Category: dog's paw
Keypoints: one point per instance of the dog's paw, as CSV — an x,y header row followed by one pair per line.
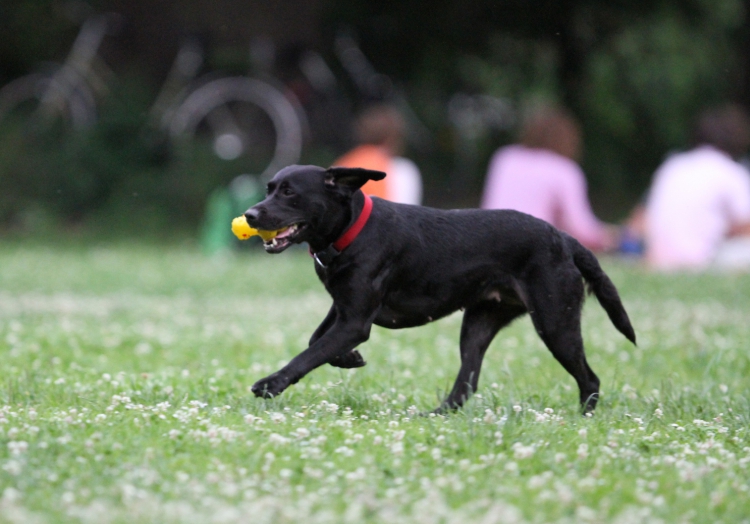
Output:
x,y
271,386
353,359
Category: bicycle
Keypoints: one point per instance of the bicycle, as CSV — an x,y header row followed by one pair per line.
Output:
x,y
242,119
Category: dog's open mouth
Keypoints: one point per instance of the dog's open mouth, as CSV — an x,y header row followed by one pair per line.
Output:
x,y
283,240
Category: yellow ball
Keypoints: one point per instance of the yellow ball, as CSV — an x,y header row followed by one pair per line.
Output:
x,y
243,231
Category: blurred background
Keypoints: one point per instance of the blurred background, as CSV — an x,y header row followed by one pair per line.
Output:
x,y
123,117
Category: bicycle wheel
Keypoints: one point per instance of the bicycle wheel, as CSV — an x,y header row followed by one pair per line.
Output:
x,y
45,101
242,119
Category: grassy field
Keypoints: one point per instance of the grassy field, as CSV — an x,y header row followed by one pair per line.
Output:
x,y
124,397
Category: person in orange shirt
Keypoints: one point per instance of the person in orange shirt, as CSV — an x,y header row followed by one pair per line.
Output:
x,y
380,131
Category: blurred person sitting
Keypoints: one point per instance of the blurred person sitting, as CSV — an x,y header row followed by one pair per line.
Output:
x,y
698,207
540,176
380,132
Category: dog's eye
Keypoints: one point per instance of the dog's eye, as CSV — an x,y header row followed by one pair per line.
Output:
x,y
287,191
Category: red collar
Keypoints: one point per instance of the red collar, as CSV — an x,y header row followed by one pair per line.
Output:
x,y
354,230
327,255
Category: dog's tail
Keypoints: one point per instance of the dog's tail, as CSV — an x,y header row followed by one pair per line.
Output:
x,y
605,291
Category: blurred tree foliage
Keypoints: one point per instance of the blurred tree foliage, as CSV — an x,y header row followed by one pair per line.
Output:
x,y
634,72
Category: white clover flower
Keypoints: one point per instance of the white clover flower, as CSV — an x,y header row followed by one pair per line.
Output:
x,y
277,417
399,435
252,419
319,440
312,472
658,413
539,481
13,467
358,474
11,494
436,453
583,451
301,433
522,452
583,432
517,408
345,451
17,447
397,448
275,438
174,433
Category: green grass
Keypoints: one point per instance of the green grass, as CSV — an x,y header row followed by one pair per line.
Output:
x,y
124,397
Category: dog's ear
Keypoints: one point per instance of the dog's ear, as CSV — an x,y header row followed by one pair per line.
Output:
x,y
351,177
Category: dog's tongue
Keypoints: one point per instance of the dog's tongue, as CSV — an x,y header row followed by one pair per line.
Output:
x,y
283,233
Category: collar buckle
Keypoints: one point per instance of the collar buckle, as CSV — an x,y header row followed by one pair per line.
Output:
x,y
326,256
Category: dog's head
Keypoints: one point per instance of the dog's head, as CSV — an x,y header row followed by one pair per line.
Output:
x,y
308,204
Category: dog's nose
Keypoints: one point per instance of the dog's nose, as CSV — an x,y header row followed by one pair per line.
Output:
x,y
251,215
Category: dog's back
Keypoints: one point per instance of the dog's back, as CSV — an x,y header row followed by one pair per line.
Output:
x,y
466,254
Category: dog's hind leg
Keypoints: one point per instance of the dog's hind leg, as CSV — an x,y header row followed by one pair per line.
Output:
x,y
557,318
350,360
481,323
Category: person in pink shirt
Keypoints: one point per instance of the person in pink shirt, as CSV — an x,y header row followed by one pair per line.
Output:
x,y
540,176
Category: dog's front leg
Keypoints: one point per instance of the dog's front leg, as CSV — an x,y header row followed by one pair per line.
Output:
x,y
346,333
352,359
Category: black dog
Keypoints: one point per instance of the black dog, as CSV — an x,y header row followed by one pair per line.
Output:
x,y
400,266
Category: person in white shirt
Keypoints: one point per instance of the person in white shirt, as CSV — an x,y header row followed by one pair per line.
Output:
x,y
698,209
